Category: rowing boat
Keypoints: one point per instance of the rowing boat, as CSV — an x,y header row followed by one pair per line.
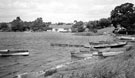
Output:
x,y
129,38
103,45
17,52
107,54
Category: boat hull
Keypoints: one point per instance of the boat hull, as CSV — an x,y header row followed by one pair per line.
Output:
x,y
107,54
112,45
126,38
15,54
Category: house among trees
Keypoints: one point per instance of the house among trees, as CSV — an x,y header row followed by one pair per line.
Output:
x,y
60,28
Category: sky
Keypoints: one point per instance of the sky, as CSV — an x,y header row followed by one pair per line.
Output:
x,y
58,10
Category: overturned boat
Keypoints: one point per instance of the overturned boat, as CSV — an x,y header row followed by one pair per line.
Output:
x,y
14,52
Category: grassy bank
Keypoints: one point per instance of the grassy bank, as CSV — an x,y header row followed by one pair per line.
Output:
x,y
120,66
99,32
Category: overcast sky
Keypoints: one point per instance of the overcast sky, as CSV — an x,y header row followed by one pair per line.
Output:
x,y
57,10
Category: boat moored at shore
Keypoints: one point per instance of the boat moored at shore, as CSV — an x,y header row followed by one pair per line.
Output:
x,y
14,52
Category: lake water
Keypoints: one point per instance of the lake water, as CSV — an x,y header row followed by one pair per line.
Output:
x,y
42,55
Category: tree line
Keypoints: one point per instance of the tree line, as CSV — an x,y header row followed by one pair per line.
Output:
x,y
19,25
81,26
121,16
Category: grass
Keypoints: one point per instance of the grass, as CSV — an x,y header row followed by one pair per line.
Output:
x,y
120,66
86,34
105,30
99,32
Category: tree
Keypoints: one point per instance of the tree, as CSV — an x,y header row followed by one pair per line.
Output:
x,y
60,23
124,15
78,27
92,25
4,27
104,22
27,25
38,25
17,24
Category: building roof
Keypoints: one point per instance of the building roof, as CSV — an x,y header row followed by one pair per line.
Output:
x,y
60,26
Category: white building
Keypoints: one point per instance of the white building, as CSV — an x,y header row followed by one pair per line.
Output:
x,y
60,28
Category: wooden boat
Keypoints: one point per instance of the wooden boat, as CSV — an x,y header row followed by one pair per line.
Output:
x,y
80,55
126,38
103,45
108,49
107,54
14,52
90,50
117,44
96,53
